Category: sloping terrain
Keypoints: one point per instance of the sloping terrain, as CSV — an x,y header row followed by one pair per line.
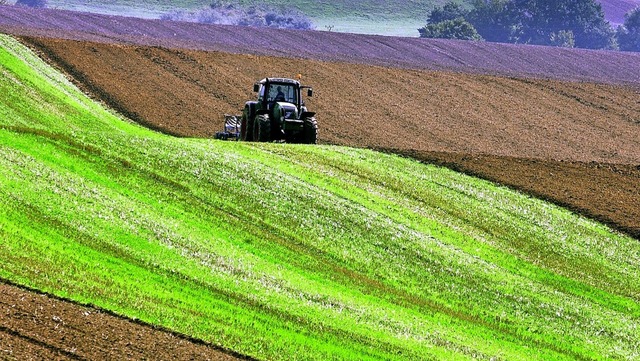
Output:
x,y
186,92
603,184
564,125
429,54
293,252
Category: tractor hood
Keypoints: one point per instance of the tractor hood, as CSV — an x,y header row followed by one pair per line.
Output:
x,y
284,110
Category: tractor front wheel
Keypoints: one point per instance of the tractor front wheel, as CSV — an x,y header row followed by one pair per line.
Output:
x,y
262,128
310,131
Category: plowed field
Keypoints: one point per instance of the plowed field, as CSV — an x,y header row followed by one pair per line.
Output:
x,y
39,327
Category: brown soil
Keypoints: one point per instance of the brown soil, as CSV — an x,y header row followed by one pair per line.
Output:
x,y
35,326
186,92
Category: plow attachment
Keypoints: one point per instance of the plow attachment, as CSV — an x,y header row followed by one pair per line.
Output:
x,y
231,128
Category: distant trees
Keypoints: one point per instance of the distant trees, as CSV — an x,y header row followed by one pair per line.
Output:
x,y
221,12
32,3
457,28
567,23
450,11
492,19
448,22
629,33
540,21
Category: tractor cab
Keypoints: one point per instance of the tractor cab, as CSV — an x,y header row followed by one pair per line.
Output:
x,y
273,90
272,93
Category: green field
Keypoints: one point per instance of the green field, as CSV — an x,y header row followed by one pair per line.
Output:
x,y
401,18
293,252
316,9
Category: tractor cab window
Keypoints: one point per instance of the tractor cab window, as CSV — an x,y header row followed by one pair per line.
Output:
x,y
282,93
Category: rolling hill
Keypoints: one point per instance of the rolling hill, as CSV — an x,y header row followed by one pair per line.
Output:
x,y
374,17
296,252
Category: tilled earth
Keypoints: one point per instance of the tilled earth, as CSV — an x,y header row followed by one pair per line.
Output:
x,y
573,143
35,326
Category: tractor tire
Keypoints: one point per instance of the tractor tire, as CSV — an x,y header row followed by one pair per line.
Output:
x,y
262,128
246,129
310,131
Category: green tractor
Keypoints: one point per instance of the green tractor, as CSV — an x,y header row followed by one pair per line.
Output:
x,y
279,113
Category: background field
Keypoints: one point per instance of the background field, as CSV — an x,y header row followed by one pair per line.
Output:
x,y
401,18
396,52
365,9
297,252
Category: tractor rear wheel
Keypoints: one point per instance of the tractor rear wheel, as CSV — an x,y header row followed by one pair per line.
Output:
x,y
310,131
262,128
246,129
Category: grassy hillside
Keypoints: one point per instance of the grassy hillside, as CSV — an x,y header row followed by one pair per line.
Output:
x,y
297,252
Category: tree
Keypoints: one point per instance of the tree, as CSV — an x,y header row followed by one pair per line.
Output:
x,y
457,28
629,33
32,3
448,22
493,21
450,11
563,39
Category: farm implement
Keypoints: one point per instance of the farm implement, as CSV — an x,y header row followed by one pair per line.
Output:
x,y
231,127
278,114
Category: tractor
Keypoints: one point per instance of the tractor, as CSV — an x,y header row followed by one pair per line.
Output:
x,y
279,114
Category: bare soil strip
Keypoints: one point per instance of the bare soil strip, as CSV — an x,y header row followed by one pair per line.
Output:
x,y
36,326
186,93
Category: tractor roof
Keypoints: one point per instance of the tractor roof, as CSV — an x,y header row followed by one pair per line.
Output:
x,y
280,81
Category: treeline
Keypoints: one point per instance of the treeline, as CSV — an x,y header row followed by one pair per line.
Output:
x,y
566,23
